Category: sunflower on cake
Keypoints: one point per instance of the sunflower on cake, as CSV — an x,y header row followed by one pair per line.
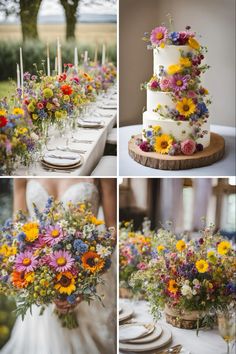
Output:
x,y
176,120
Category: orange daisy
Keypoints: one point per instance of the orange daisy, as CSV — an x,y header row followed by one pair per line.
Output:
x,y
21,279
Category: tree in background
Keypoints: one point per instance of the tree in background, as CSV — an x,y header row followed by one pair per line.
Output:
x,y
70,8
28,12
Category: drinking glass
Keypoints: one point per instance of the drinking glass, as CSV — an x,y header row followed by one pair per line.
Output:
x,y
227,327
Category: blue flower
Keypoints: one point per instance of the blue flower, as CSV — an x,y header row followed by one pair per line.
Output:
x,y
107,264
21,236
8,223
202,109
174,36
80,246
71,299
149,133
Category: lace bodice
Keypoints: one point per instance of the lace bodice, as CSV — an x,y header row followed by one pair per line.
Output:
x,y
78,192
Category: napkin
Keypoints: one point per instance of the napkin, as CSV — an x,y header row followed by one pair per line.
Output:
x,y
131,332
66,155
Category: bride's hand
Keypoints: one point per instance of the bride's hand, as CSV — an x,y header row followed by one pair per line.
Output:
x,y
64,306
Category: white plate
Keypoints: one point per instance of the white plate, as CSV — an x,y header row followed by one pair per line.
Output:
x,y
133,331
62,158
126,313
150,337
160,342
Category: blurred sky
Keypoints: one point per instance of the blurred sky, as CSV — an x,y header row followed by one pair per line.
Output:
x,y
89,10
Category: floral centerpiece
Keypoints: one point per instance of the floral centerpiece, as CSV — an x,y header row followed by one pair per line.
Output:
x,y
17,139
52,99
59,256
135,250
189,280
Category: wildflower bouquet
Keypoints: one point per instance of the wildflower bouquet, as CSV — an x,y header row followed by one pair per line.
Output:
x,y
17,139
52,99
59,256
189,276
135,251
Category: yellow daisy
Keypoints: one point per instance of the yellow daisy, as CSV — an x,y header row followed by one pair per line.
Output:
x,y
160,248
185,62
193,43
31,231
2,112
223,247
18,111
174,69
202,266
186,107
180,245
65,283
163,143
156,128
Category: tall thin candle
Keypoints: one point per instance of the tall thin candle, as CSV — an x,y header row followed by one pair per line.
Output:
x,y
59,56
48,61
86,57
21,70
18,75
103,54
76,58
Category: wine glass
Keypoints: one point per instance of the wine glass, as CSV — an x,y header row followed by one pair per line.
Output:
x,y
227,326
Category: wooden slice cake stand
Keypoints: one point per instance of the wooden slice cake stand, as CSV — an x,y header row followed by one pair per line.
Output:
x,y
208,156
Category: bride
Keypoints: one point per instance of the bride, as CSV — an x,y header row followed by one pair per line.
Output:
x,y
97,324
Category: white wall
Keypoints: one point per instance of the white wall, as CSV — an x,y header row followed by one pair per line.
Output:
x,y
214,20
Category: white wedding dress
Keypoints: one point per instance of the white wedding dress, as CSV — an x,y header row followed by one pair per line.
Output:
x,y
44,334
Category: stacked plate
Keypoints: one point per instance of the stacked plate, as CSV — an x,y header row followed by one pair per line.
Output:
x,y
141,337
62,160
90,123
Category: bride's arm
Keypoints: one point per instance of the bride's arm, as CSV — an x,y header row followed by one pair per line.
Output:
x,y
19,198
108,198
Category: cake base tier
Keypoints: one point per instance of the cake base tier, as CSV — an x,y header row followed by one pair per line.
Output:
x,y
211,154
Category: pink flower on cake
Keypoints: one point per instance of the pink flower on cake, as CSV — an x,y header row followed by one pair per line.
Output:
x,y
179,82
158,35
184,37
191,94
165,84
188,147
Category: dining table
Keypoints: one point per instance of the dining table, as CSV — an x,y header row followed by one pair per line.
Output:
x,y
88,140
208,341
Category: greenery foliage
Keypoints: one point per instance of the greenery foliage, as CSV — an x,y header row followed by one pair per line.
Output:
x,y
34,52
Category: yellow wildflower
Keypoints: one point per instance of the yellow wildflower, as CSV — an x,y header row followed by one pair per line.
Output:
x,y
185,62
180,245
223,247
160,248
174,69
186,107
202,266
31,231
163,143
193,43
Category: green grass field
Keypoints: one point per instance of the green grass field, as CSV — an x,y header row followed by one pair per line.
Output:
x,y
6,88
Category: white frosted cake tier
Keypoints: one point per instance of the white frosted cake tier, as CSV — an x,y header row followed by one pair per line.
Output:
x,y
181,130
157,97
169,55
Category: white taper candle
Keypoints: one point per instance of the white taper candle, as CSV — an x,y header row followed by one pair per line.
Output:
x,y
18,75
21,71
48,61
76,58
86,56
104,54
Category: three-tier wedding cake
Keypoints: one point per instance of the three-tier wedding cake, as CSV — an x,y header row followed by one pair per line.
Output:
x,y
176,118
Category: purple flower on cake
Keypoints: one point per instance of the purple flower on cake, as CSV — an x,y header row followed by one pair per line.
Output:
x,y
188,147
202,109
199,147
179,82
154,84
26,262
165,84
145,146
61,261
184,37
158,35
53,235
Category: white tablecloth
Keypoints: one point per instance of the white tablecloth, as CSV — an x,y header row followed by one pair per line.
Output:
x,y
224,167
94,150
207,342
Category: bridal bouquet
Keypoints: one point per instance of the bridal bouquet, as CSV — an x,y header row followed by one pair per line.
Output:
x,y
57,257
17,140
198,275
